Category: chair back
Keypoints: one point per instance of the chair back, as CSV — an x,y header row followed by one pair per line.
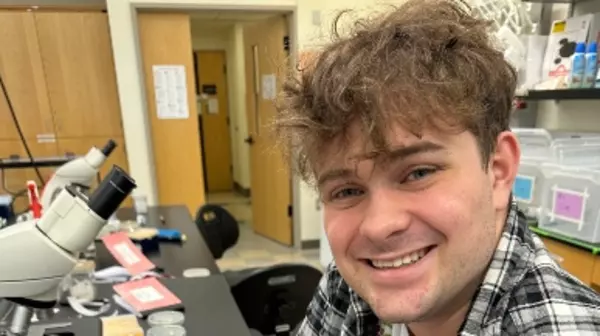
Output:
x,y
274,299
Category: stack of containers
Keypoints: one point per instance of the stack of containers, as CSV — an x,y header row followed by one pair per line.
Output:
x,y
571,190
541,148
535,150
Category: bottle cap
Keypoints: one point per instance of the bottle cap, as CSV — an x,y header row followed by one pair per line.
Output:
x,y
593,47
580,48
162,318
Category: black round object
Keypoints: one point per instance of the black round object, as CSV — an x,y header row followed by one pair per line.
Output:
x,y
111,192
218,227
109,147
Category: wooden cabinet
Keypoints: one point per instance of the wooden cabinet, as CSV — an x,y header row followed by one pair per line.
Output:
x,y
576,261
76,52
22,72
59,74
15,180
596,275
60,77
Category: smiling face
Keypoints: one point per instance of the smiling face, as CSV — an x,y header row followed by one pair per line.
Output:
x,y
412,232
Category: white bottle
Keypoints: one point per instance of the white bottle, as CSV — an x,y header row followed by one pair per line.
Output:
x,y
591,66
577,67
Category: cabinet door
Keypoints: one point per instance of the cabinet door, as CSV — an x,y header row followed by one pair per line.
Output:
x,y
15,180
576,261
23,75
80,74
82,146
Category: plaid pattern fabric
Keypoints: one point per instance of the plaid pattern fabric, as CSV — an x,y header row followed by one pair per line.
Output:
x,y
524,292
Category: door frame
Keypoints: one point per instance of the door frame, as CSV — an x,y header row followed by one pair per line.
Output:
x,y
290,11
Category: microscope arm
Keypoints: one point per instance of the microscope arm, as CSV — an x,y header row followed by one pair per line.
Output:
x,y
81,172
36,255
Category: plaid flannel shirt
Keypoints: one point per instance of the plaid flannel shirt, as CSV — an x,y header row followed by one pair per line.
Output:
x,y
524,292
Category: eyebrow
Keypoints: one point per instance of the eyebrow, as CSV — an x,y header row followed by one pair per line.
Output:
x,y
393,155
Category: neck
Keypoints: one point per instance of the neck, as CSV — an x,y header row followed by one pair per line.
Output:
x,y
446,323
449,320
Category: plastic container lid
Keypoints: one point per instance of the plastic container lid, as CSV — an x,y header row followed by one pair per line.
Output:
x,y
166,330
580,48
593,47
163,318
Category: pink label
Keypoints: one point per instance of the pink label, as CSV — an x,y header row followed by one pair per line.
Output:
x,y
146,294
126,254
569,205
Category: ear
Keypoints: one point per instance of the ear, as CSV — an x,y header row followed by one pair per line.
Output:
x,y
504,165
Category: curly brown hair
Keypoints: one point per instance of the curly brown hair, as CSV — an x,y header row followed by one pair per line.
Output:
x,y
426,63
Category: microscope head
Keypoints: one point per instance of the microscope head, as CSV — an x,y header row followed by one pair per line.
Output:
x,y
55,241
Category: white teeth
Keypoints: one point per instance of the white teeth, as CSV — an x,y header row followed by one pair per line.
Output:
x,y
402,261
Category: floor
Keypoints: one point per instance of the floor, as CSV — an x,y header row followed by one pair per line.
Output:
x,y
253,250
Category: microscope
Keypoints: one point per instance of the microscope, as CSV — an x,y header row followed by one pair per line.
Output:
x,y
80,172
36,255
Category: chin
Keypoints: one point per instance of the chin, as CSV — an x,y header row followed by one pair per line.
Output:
x,y
400,306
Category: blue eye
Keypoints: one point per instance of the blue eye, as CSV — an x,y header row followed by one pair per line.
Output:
x,y
419,174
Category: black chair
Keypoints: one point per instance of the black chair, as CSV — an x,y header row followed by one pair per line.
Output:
x,y
274,299
218,227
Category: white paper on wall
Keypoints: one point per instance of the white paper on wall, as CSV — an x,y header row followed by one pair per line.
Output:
x,y
269,86
170,89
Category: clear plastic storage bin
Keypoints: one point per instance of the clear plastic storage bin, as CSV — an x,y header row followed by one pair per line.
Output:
x,y
535,143
577,155
528,187
571,202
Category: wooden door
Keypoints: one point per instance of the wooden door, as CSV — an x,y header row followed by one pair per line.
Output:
x,y
81,146
80,73
165,39
15,180
214,112
266,59
22,72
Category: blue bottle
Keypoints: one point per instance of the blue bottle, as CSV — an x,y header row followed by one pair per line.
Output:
x,y
591,65
577,67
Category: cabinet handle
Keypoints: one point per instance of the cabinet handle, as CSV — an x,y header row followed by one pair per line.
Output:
x,y
14,156
556,257
70,154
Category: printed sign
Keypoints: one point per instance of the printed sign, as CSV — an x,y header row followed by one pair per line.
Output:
x,y
146,294
126,254
523,188
569,205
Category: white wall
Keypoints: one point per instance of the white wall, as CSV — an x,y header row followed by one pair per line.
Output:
x,y
236,77
231,40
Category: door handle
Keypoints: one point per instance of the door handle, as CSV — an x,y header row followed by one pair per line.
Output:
x,y
249,140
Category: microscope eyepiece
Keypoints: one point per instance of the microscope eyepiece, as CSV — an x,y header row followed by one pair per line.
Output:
x,y
109,147
111,192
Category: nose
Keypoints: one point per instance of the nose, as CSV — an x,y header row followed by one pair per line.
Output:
x,y
386,215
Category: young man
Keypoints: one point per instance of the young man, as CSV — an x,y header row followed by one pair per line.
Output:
x,y
404,128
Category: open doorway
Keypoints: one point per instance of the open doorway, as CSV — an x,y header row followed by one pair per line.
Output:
x,y
240,59
220,91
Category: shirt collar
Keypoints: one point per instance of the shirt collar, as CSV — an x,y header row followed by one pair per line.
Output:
x,y
509,264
